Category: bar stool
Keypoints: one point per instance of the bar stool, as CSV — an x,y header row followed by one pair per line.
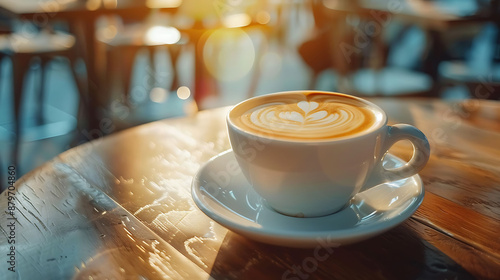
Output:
x,y
23,49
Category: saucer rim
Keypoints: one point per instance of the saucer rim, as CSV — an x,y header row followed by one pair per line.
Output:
x,y
341,235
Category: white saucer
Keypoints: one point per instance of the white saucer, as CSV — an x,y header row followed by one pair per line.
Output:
x,y
222,192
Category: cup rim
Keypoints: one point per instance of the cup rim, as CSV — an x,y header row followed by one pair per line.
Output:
x,y
374,129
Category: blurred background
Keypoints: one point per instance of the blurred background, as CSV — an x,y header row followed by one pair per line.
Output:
x,y
76,70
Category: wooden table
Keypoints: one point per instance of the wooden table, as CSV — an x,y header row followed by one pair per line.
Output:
x,y
440,20
121,206
81,16
436,15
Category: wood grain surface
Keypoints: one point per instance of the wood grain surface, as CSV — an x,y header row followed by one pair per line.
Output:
x,y
120,207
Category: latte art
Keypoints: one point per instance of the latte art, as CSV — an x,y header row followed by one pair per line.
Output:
x,y
313,116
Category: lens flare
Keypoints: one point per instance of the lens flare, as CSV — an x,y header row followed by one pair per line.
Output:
x,y
229,54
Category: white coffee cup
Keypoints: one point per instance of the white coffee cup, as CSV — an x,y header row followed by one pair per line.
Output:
x,y
307,153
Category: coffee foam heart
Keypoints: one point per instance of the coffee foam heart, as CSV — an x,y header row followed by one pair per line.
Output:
x,y
306,116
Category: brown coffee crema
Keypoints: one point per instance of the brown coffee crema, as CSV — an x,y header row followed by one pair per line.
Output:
x,y
306,116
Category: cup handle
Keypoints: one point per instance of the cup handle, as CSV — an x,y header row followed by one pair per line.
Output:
x,y
421,152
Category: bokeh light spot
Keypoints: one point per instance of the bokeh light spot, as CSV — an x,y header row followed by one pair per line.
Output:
x,y
158,35
93,5
158,95
152,4
331,4
107,33
236,20
263,17
183,92
229,54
